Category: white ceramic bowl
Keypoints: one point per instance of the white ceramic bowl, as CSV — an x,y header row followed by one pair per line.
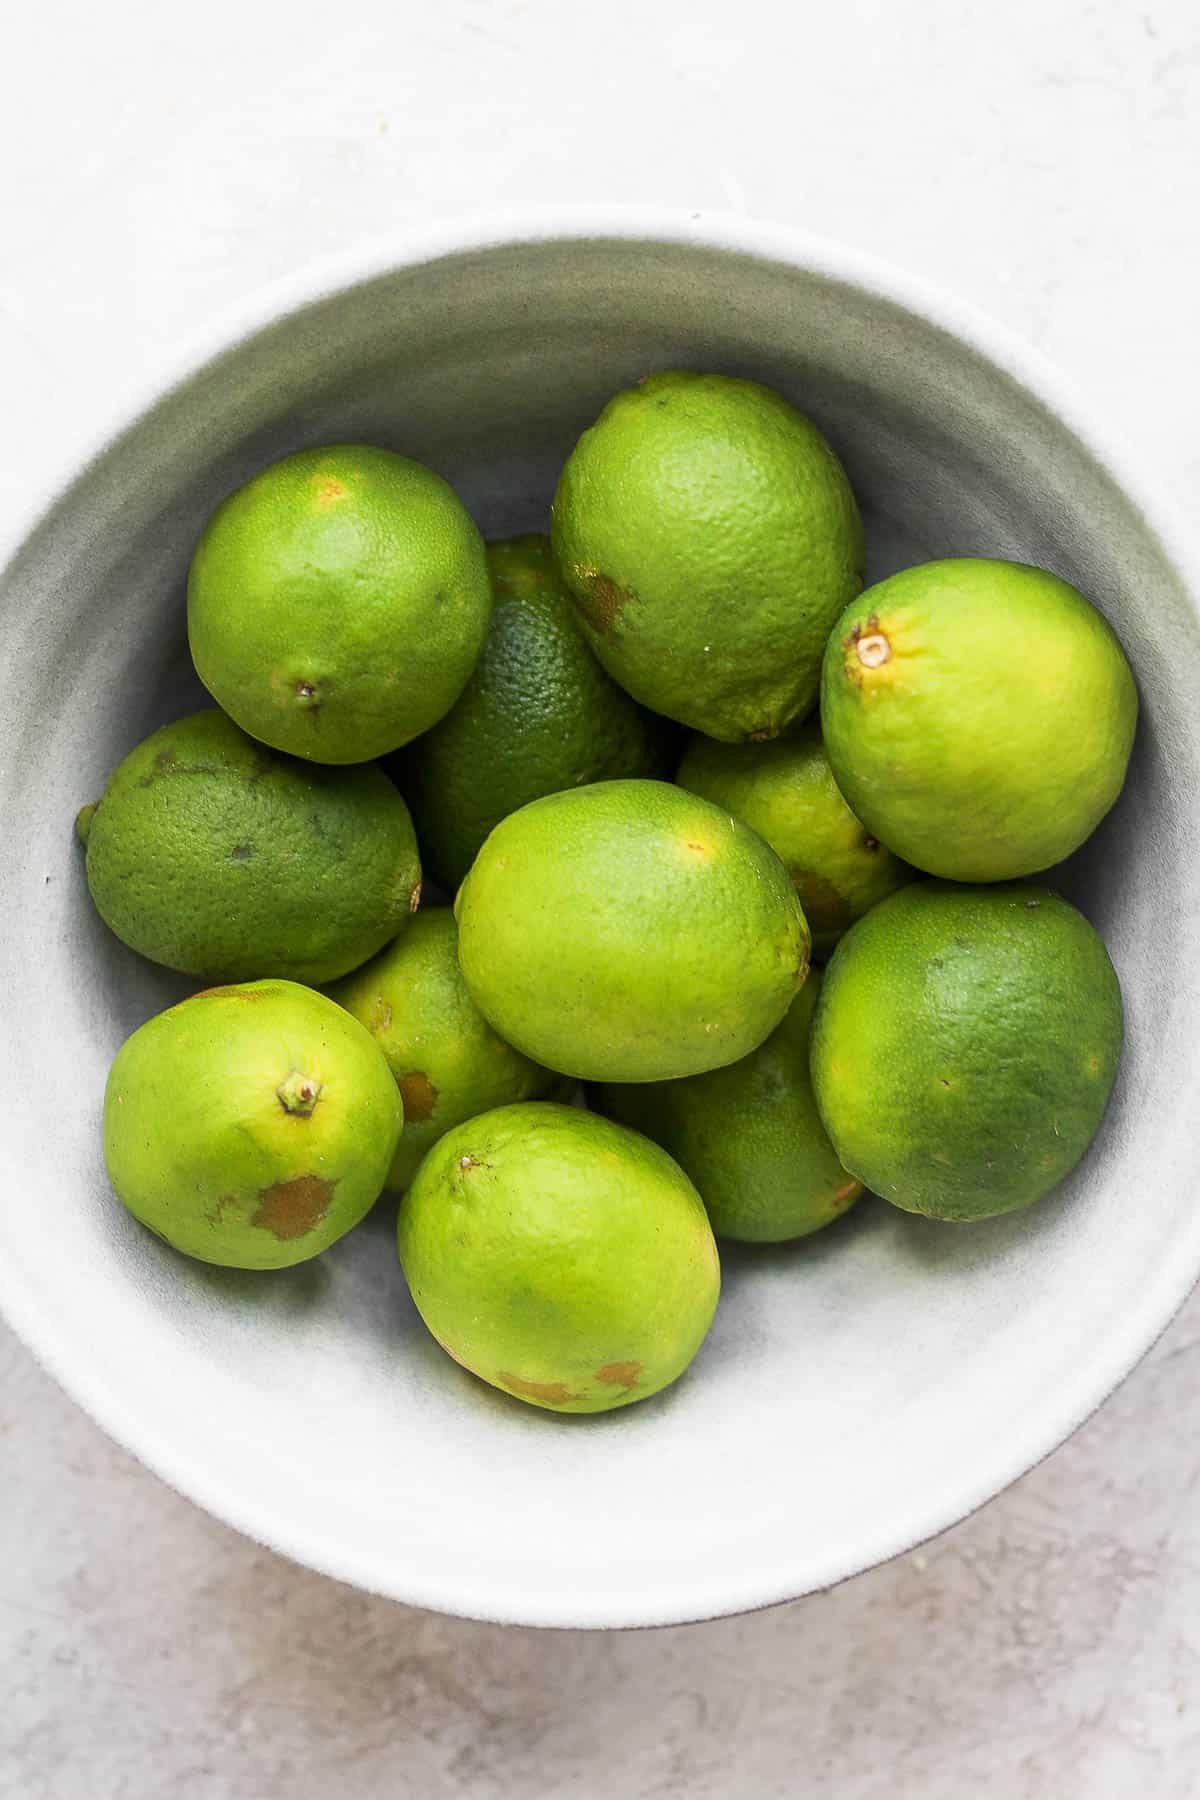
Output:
x,y
858,1392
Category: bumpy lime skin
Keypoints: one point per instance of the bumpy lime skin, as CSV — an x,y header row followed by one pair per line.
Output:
x,y
250,1126
338,601
965,1045
749,1136
786,792
560,1257
447,1061
711,538
213,855
539,714
978,715
628,931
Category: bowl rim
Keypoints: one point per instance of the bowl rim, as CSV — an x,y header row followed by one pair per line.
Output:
x,y
1155,1306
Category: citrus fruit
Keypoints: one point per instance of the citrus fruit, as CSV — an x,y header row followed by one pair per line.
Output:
x,y
710,538
559,1257
628,931
250,1126
337,602
786,792
537,715
214,855
965,1044
448,1062
978,716
749,1136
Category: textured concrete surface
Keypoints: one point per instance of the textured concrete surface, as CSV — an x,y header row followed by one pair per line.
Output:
x,y
1043,159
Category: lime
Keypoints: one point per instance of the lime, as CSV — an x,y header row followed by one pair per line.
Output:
x,y
250,1126
710,538
628,931
538,714
965,1044
448,1062
213,855
559,1257
978,717
786,792
337,602
749,1136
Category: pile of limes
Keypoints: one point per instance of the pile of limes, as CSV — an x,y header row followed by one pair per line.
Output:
x,y
648,937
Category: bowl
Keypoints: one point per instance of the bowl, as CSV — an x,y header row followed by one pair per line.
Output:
x,y
859,1391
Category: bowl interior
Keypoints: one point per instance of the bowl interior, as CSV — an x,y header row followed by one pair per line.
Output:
x,y
858,1391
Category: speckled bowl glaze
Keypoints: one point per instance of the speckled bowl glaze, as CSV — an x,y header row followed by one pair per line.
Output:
x,y
859,1391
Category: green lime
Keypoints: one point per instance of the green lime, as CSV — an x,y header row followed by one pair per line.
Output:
x,y
978,717
628,931
337,602
250,1126
965,1044
539,714
214,855
559,1257
749,1136
448,1062
710,538
786,792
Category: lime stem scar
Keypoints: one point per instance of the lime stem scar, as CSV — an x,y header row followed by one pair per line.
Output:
x,y
299,1093
873,650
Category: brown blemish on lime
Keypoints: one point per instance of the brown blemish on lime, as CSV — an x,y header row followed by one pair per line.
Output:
x,y
290,1209
846,1193
620,1374
381,1017
419,1096
553,1393
327,489
167,763
231,991
602,602
307,696
414,899
216,1212
1093,1064
241,853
